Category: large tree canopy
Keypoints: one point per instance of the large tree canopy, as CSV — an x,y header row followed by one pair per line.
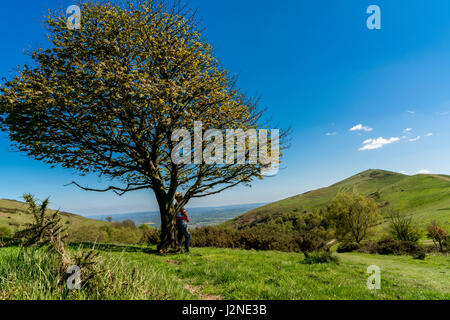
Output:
x,y
106,99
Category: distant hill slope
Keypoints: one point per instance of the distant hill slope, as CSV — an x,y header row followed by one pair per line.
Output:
x,y
426,197
13,214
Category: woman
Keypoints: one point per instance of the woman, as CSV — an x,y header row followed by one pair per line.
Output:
x,y
182,224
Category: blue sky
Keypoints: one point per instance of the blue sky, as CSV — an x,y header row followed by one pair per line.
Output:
x,y
319,70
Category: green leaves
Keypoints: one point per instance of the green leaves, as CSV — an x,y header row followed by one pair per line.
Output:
x,y
353,216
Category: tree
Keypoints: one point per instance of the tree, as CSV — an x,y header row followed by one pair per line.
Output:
x,y
438,234
107,98
353,216
402,227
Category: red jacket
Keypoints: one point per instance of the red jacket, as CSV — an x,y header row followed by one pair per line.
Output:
x,y
185,217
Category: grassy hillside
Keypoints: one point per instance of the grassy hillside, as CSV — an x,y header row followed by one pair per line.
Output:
x,y
13,214
425,197
132,273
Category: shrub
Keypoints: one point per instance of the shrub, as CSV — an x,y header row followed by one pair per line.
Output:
x,y
402,228
290,233
420,254
320,257
124,224
446,243
149,235
122,234
392,246
225,237
219,237
46,230
87,233
312,232
310,242
117,232
347,247
259,237
438,235
5,232
264,238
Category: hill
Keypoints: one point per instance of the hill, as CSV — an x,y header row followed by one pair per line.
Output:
x,y
13,214
426,197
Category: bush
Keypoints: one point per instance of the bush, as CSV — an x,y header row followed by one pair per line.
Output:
x,y
264,238
260,237
257,238
320,257
420,254
310,242
124,224
289,233
438,235
219,237
117,232
150,235
347,247
122,234
392,246
5,232
446,242
402,228
87,233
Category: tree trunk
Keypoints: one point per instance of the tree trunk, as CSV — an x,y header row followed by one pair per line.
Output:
x,y
167,212
168,232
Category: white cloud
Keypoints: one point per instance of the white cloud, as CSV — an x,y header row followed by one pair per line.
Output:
x,y
429,134
423,171
411,112
415,139
407,130
360,127
331,133
371,144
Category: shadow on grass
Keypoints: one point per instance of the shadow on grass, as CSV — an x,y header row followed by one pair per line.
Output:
x,y
114,247
111,247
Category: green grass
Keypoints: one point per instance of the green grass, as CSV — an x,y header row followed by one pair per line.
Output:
x,y
424,197
31,275
132,272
